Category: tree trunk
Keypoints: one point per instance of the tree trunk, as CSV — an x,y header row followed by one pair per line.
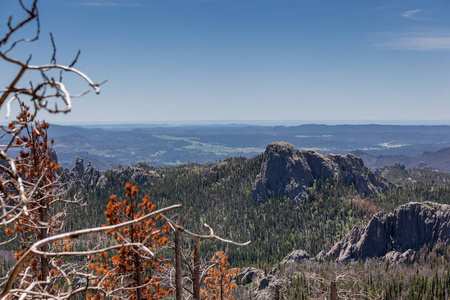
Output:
x,y
137,260
333,291
196,275
178,287
45,266
221,285
137,267
276,295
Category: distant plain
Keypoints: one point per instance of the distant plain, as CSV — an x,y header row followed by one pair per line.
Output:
x,y
106,147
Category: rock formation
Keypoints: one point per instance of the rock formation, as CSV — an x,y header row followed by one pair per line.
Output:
x,y
250,275
263,286
396,257
411,226
53,155
78,170
288,171
141,173
90,176
296,256
93,177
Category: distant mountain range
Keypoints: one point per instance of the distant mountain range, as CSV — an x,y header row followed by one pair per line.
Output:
x,y
109,147
432,159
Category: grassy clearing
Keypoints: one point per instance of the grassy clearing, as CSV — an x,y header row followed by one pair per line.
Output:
x,y
206,147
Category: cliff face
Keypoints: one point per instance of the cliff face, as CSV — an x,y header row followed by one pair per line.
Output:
x,y
288,171
411,226
141,172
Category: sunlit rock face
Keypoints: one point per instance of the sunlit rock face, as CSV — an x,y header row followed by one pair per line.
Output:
x,y
287,171
409,227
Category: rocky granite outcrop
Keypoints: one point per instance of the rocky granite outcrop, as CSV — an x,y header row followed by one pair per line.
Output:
x,y
53,155
288,171
90,176
250,275
141,173
411,226
93,177
296,256
394,257
78,170
263,286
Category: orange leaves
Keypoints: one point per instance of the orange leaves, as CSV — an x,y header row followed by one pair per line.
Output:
x,y
34,263
162,241
53,273
9,231
130,262
37,169
219,280
129,211
67,245
90,297
131,190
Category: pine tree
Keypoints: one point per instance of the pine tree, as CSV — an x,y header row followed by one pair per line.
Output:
x,y
220,280
134,268
38,172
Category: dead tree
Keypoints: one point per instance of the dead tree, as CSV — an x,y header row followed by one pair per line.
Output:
x,y
49,93
343,286
191,259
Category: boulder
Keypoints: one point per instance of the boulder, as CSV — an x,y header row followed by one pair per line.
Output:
x,y
267,286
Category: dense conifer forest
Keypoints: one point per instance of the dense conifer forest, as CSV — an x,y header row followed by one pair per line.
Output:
x,y
220,195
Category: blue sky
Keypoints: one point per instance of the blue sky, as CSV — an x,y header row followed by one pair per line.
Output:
x,y
213,60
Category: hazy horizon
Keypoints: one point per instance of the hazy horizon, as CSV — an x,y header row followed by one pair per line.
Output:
x,y
262,123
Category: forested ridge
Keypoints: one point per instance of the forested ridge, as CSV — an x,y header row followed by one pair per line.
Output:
x,y
220,195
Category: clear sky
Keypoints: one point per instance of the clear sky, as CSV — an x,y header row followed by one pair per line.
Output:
x,y
179,60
